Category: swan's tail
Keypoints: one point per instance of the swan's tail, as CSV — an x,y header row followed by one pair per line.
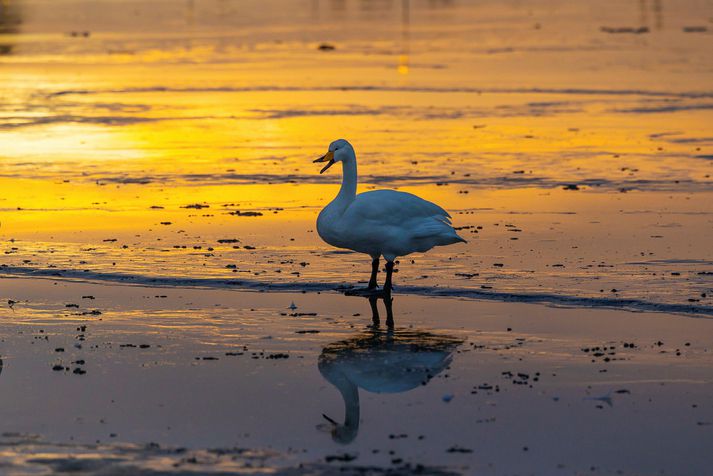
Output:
x,y
437,231
450,232
456,238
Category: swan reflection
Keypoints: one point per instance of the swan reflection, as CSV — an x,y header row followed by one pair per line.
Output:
x,y
390,360
10,21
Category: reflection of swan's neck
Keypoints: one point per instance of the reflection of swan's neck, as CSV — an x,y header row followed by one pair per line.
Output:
x,y
350,395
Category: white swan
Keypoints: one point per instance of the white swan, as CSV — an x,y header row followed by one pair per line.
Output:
x,y
381,222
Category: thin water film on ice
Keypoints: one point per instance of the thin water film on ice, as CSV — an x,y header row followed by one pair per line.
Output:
x,y
139,140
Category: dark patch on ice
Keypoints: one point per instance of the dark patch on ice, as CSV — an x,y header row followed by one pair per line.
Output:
x,y
544,49
415,89
625,30
503,182
428,113
674,138
697,262
695,29
19,122
663,108
116,107
127,180
344,111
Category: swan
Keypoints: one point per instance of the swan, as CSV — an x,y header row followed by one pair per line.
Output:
x,y
380,222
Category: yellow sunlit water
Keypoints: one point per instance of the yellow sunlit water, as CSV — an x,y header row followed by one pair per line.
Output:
x,y
114,122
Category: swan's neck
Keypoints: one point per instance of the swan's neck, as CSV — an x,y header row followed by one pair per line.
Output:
x,y
349,182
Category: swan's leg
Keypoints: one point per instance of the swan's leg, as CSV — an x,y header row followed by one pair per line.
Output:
x,y
389,271
374,270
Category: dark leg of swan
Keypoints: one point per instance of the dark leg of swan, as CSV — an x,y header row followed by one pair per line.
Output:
x,y
387,284
374,270
373,301
371,289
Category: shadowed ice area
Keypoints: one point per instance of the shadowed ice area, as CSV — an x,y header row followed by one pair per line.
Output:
x,y
174,127
140,380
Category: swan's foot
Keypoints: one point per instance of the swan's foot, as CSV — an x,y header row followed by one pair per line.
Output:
x,y
372,289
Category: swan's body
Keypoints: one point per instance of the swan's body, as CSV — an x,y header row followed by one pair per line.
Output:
x,y
382,222
385,222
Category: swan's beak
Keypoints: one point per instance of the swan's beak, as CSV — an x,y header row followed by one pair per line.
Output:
x,y
327,427
329,158
330,420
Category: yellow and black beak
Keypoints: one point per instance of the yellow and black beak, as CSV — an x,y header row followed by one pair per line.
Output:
x,y
329,158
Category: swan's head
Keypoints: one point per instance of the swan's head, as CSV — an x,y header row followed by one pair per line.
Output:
x,y
343,434
339,151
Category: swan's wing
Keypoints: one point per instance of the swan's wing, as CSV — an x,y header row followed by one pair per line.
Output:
x,y
393,207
